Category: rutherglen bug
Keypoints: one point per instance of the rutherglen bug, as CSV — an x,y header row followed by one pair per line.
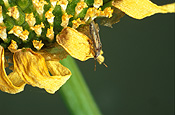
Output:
x,y
94,31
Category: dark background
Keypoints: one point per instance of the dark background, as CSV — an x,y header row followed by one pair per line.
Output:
x,y
139,79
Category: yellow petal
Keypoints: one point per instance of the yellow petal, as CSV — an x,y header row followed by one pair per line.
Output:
x,y
59,71
142,8
11,83
75,43
32,68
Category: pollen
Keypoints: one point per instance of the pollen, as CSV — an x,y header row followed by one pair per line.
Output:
x,y
38,29
50,33
65,19
37,44
16,30
49,15
3,34
39,5
63,4
1,16
24,35
80,6
13,46
77,23
98,3
13,12
30,19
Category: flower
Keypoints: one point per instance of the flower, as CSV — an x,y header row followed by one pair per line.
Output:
x,y
44,37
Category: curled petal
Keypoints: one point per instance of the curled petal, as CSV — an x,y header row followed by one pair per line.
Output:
x,y
59,71
11,83
75,43
142,8
33,69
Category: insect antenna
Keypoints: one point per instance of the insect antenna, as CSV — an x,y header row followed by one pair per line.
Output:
x,y
95,66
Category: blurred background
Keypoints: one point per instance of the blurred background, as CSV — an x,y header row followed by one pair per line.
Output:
x,y
139,79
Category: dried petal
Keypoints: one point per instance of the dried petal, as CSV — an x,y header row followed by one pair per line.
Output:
x,y
32,68
142,8
75,43
61,73
11,83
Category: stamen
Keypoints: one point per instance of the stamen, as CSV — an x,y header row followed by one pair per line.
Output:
x,y
92,13
107,12
39,5
38,29
13,12
13,46
63,4
1,16
30,19
24,35
77,23
37,44
50,33
16,30
80,6
6,3
3,34
49,15
98,3
65,20
53,3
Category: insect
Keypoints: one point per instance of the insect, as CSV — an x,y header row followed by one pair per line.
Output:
x,y
94,31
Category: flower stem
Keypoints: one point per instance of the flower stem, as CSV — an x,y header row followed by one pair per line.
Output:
x,y
76,93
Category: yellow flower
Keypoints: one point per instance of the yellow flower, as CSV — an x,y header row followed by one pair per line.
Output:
x,y
33,68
